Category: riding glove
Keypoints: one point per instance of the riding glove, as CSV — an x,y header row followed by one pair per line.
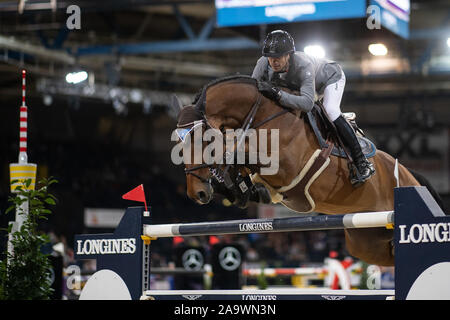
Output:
x,y
269,91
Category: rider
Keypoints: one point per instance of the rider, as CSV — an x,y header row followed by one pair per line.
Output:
x,y
281,66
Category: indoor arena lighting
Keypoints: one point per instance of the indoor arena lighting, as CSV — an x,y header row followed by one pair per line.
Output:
x,y
76,77
378,49
315,51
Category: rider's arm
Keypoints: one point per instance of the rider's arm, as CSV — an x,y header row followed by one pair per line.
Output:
x,y
260,67
305,101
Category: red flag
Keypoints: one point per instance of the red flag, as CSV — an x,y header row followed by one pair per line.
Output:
x,y
177,240
137,194
213,240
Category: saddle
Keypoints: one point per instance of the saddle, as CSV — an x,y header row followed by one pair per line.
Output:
x,y
322,127
325,130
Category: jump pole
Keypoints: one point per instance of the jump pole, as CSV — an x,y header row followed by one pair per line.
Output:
x,y
309,223
422,249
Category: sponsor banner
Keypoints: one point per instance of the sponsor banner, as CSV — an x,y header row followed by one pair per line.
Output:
x,y
253,12
424,233
105,246
422,246
256,226
240,295
122,252
394,15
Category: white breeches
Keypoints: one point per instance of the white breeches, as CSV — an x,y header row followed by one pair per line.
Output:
x,y
332,98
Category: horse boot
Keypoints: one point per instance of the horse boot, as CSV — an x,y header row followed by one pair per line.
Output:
x,y
258,192
219,188
364,167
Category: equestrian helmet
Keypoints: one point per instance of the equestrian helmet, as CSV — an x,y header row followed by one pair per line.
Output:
x,y
278,43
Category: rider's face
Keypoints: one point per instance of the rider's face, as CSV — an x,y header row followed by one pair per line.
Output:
x,y
279,64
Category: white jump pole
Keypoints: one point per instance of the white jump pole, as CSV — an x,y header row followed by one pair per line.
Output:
x,y
323,222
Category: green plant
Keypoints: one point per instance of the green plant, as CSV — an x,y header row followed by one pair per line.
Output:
x,y
25,273
261,279
364,276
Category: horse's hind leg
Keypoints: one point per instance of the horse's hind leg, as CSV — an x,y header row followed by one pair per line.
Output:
x,y
372,245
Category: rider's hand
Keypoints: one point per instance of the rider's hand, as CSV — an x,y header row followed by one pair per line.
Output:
x,y
269,91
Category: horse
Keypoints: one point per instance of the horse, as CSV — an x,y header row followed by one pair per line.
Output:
x,y
228,103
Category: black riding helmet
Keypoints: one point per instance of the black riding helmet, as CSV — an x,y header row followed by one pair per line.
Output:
x,y
277,44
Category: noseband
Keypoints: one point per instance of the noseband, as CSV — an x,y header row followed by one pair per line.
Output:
x,y
195,168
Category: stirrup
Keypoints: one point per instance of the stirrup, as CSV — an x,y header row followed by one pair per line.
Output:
x,y
356,179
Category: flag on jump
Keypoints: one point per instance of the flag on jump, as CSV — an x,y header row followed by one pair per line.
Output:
x,y
137,194
396,172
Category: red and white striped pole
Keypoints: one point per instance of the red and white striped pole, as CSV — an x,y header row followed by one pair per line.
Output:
x,y
21,171
23,157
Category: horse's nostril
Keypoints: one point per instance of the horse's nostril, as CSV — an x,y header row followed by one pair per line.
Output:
x,y
202,196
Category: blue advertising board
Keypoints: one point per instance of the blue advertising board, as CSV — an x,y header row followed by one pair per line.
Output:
x,y
394,15
252,12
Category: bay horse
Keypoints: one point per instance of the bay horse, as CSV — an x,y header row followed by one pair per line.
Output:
x,y
227,102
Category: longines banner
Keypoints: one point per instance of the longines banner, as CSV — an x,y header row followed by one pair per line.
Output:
x,y
252,12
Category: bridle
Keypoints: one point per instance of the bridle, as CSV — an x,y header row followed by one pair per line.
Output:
x,y
188,171
192,126
223,175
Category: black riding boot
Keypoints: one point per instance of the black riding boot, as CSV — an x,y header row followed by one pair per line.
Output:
x,y
365,167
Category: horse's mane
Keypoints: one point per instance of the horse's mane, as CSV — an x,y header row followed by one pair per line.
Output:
x,y
189,114
235,78
200,98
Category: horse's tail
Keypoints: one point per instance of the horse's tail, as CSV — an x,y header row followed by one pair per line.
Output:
x,y
424,182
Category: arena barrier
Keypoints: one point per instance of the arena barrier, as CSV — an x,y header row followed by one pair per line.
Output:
x,y
270,294
422,251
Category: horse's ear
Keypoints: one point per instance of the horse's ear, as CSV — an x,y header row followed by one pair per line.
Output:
x,y
176,103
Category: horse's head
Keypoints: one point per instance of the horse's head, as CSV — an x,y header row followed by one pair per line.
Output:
x,y
190,128
226,104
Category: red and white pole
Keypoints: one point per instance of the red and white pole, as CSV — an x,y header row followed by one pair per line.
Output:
x,y
23,157
21,171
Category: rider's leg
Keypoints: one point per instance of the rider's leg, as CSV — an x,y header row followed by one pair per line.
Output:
x,y
332,101
332,98
364,166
